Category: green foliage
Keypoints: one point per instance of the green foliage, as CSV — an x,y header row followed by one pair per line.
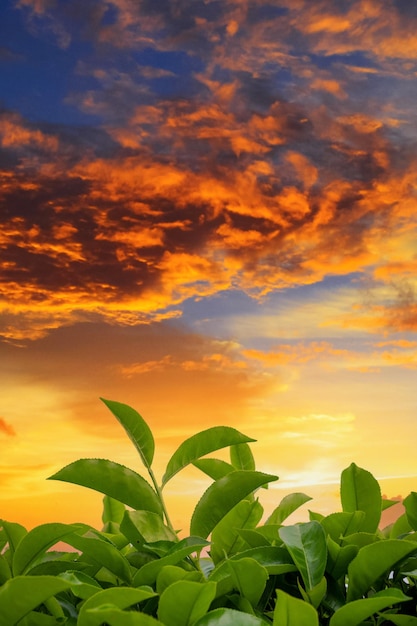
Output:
x,y
232,570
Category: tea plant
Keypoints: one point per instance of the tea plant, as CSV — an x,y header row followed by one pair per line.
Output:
x,y
232,570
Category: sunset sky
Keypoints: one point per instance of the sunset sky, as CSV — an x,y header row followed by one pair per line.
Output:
x,y
208,212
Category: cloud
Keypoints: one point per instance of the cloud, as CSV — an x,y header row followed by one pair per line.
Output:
x,y
6,428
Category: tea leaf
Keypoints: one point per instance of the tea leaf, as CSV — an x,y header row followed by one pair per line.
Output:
x,y
229,617
136,428
354,613
290,611
340,525
113,510
19,595
14,533
249,578
149,572
215,468
82,585
225,539
201,444
222,496
120,597
145,527
288,505
36,542
360,491
103,553
401,620
112,479
184,602
112,616
241,457
410,503
306,543
373,561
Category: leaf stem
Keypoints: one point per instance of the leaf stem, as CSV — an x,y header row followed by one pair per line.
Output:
x,y
162,501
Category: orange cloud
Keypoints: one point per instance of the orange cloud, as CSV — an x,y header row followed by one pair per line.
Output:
x,y
6,428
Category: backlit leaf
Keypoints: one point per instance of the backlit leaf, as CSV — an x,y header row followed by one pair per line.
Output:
x,y
103,554
35,544
112,479
288,505
226,539
112,616
360,491
136,428
222,496
249,578
410,503
215,468
145,527
241,457
201,444
113,510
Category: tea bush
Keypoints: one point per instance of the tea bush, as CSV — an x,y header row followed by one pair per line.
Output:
x,y
233,570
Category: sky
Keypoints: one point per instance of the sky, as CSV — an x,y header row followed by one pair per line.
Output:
x,y
208,212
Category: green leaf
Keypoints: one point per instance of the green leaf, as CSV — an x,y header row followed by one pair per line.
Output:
x,y
373,561
35,543
82,585
290,611
241,457
225,538
215,468
112,616
19,595
184,602
354,613
360,491
103,554
275,560
120,597
136,428
14,534
170,574
229,617
288,505
201,444
410,503
149,572
338,558
306,543
249,578
145,527
222,496
401,620
113,510
400,527
112,479
338,525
